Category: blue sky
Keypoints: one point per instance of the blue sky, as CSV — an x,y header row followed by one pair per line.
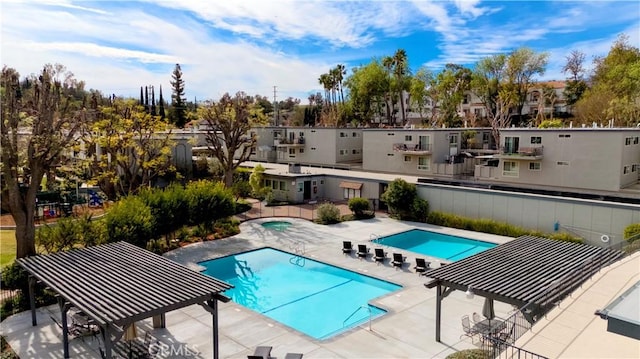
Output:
x,y
236,45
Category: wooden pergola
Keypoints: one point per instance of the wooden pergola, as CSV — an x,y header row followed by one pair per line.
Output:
x,y
118,284
529,270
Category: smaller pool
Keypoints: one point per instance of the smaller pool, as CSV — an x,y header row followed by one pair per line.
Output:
x,y
277,225
433,244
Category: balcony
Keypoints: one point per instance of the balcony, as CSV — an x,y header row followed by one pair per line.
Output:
x,y
412,149
285,142
521,153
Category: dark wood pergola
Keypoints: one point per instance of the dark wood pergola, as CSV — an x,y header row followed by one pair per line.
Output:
x,y
532,271
118,284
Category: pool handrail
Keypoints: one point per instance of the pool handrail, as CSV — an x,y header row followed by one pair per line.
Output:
x,y
368,307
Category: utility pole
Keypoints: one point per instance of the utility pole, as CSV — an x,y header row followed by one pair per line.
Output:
x,y
275,107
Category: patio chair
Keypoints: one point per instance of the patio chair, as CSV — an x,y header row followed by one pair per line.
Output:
x,y
379,255
506,335
347,247
293,356
476,317
363,251
398,260
261,352
421,266
466,327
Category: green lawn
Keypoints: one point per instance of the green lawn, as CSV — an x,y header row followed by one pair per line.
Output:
x,y
7,247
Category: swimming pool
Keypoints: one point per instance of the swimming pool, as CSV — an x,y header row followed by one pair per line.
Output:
x,y
277,225
315,298
437,245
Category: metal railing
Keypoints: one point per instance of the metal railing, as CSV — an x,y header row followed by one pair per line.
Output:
x,y
493,347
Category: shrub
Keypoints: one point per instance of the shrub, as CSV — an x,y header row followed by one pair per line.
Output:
x,y
419,209
328,213
60,236
241,189
14,277
632,232
469,354
130,220
358,206
399,197
167,207
208,202
255,181
490,226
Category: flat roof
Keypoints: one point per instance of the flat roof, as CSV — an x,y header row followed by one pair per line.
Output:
x,y
119,283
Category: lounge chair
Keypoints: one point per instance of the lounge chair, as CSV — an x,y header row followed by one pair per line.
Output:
x,y
421,266
347,248
293,356
379,255
363,251
261,352
398,260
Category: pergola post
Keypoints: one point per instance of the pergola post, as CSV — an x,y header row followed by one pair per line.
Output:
x,y
106,339
159,321
214,314
64,307
438,310
32,299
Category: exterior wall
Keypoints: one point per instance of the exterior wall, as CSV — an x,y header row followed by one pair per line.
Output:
x,y
384,151
308,145
584,158
586,218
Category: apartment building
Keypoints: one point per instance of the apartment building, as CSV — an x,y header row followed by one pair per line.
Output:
x,y
602,159
425,151
322,146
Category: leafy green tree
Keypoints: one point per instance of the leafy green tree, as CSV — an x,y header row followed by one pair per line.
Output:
x,y
39,123
615,85
258,190
450,85
228,133
399,197
132,148
421,93
178,111
522,65
368,86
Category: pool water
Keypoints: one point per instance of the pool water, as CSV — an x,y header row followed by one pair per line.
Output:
x,y
315,298
277,225
437,245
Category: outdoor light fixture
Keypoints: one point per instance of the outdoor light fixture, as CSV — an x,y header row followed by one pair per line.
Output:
x,y
469,293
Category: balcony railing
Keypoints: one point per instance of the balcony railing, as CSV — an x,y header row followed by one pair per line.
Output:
x,y
412,148
288,142
528,153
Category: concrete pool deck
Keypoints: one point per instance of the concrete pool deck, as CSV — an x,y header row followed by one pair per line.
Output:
x,y
407,331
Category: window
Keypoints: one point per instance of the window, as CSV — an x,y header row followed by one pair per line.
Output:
x,y
283,185
635,140
267,183
300,186
423,164
535,96
562,163
510,169
536,140
407,158
292,152
344,152
355,151
477,112
313,148
535,166
628,141
390,134
563,135
321,181
485,137
390,154
274,184
511,144
627,169
348,193
407,138
355,134
343,134
302,150
635,167
301,134
314,183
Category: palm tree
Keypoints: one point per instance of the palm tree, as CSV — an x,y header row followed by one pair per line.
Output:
x,y
387,63
400,70
340,72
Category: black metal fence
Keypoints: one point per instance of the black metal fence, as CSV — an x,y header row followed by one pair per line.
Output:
x,y
494,347
306,210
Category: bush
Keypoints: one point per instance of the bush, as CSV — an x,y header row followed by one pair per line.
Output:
x,y
130,220
400,197
328,213
469,354
490,226
419,209
16,278
167,207
60,236
358,206
208,202
632,232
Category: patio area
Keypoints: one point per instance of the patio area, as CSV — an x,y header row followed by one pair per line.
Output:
x,y
407,331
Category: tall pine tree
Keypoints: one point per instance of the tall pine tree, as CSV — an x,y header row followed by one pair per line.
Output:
x,y
178,111
153,101
161,110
